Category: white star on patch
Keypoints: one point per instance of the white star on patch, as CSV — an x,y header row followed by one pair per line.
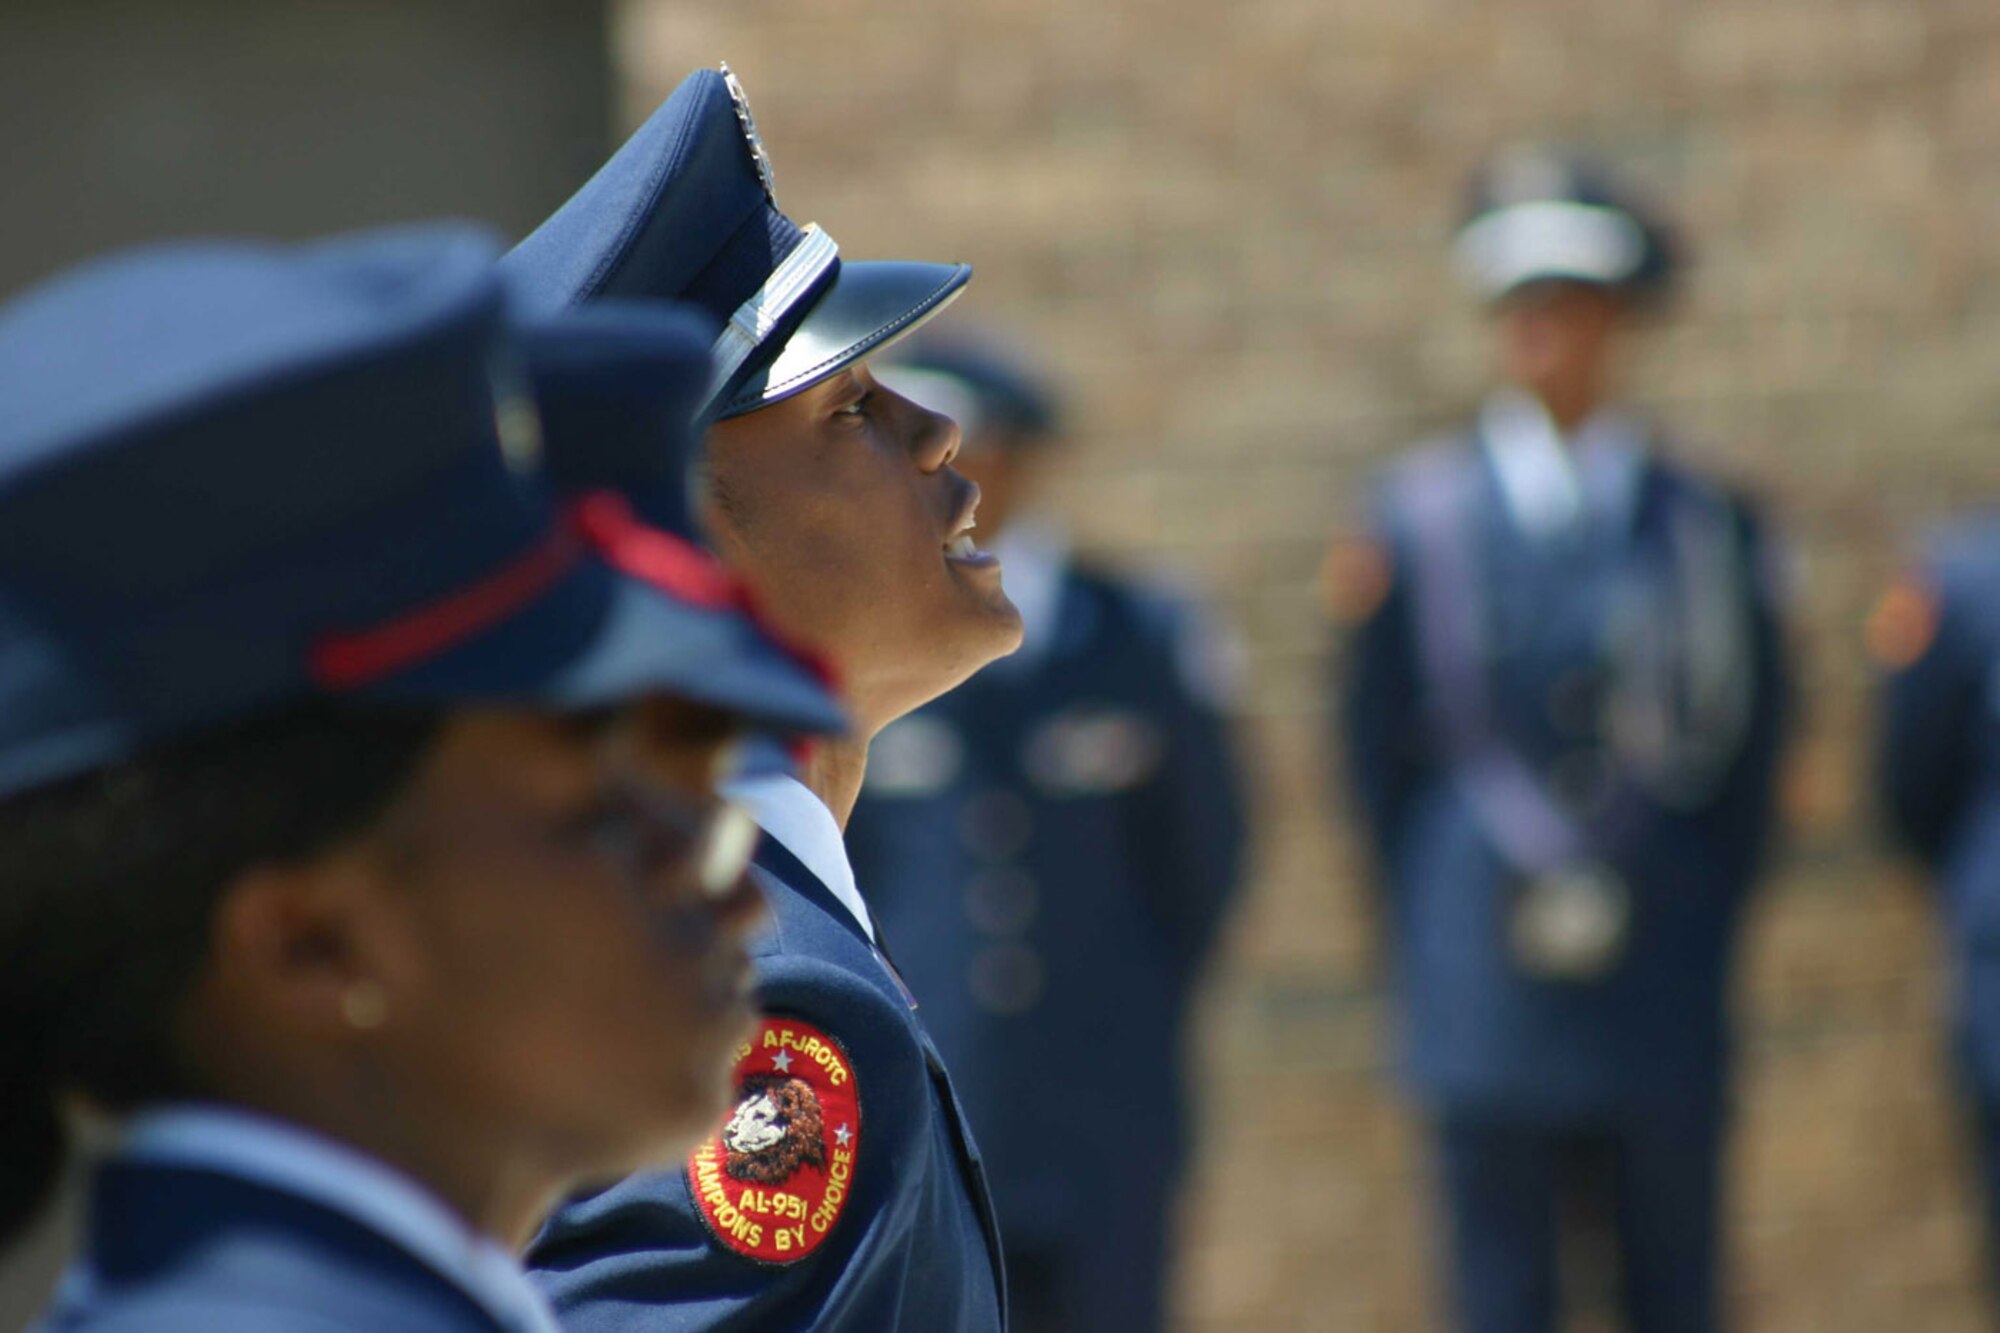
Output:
x,y
782,1062
842,1135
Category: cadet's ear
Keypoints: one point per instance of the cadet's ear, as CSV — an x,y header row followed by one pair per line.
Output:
x,y
305,950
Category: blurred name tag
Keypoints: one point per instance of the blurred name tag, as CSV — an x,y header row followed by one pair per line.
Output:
x,y
914,756
1092,752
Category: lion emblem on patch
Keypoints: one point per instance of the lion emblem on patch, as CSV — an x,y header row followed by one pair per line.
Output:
x,y
776,1128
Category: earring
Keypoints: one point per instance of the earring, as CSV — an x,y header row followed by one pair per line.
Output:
x,y
364,1006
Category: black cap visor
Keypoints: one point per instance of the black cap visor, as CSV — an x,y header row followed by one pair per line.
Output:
x,y
868,305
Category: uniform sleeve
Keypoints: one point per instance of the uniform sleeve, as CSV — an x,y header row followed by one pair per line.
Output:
x,y
1375,711
1195,825
1930,696
642,1255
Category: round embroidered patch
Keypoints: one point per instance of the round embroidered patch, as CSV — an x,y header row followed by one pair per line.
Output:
x,y
1904,623
1355,580
774,1181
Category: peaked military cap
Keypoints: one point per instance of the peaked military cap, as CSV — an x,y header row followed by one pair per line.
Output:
x,y
233,476
685,211
977,381
1539,215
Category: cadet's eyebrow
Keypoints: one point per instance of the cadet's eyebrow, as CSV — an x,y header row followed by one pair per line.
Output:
x,y
844,384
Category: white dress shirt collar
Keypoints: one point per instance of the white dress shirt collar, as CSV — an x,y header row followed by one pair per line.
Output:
x,y
1549,482
788,811
319,1170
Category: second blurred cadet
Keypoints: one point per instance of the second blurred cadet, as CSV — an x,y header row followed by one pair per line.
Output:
x,y
1561,714
1937,635
1053,845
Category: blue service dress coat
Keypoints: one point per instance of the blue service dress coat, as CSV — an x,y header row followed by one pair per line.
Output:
x,y
1939,772
1479,1034
1050,849
913,1245
241,1224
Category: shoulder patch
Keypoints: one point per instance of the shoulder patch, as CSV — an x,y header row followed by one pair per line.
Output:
x,y
1904,623
775,1179
1355,579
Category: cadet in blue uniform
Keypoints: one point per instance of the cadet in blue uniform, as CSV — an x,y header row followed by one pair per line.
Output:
x,y
1560,712
1052,845
844,1190
358,812
1937,635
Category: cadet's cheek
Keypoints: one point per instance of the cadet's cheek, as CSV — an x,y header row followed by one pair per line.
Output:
x,y
590,997
525,915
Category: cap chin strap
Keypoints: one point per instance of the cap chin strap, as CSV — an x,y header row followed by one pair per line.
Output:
x,y
767,307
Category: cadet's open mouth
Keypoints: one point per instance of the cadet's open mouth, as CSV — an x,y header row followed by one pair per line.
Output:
x,y
959,548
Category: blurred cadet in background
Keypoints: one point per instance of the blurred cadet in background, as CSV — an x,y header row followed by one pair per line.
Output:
x,y
844,1191
358,814
1051,846
1936,635
1561,711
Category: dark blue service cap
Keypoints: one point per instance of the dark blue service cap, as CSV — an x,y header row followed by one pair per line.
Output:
x,y
233,476
1541,215
978,381
616,383
684,211
615,400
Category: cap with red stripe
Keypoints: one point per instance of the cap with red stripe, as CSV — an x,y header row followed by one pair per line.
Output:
x,y
232,476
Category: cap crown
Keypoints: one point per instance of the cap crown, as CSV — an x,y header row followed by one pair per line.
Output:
x,y
680,212
209,452
1537,214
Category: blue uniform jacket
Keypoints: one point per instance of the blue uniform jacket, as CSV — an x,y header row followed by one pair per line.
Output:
x,y
1939,772
1477,1032
172,1250
1050,848
915,1247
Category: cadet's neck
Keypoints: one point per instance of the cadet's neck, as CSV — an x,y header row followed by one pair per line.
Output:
x,y
835,772
1570,405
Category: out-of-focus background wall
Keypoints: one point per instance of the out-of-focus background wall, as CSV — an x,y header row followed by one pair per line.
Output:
x,y
129,120
1226,226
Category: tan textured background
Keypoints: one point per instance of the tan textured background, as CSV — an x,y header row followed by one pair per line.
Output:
x,y
1225,224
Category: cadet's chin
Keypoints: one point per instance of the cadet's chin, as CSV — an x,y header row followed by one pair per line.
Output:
x,y
993,631
998,621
